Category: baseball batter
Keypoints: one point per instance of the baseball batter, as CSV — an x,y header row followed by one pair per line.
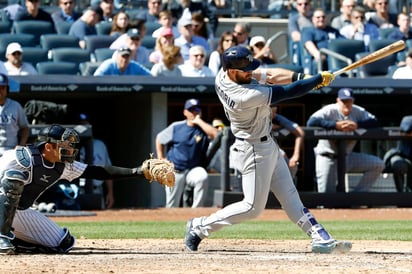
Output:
x,y
25,173
255,154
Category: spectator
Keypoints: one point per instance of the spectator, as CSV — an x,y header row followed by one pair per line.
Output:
x,y
262,51
404,71
399,159
242,31
14,125
165,39
344,116
120,24
86,25
359,29
169,64
227,40
280,122
403,32
15,64
195,66
121,64
200,27
107,7
34,12
133,41
317,37
382,18
345,14
100,158
187,39
151,14
187,141
166,22
66,12
300,20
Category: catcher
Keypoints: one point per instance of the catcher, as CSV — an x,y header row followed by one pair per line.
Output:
x,y
27,171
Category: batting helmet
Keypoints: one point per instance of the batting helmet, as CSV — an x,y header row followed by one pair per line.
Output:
x,y
239,57
57,134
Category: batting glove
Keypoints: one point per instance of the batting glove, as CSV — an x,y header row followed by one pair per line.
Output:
x,y
327,78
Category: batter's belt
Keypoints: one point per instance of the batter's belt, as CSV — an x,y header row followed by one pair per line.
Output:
x,y
262,139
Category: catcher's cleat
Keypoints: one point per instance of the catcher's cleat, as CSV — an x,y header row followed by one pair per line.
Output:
x,y
6,247
332,246
192,241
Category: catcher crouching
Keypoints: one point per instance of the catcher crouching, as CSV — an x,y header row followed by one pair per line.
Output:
x,y
27,171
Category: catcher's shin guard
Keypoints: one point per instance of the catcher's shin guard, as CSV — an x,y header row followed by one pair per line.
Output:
x,y
10,192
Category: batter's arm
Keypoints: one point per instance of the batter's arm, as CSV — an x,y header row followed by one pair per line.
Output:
x,y
278,76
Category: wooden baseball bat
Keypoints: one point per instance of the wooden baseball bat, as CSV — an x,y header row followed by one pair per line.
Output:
x,y
374,56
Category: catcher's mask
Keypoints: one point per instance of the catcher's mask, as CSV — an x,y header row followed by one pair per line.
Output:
x,y
65,139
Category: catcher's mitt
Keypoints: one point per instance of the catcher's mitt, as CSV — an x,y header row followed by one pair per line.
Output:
x,y
159,170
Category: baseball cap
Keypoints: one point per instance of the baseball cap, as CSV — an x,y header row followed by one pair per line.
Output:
x,y
132,33
13,47
406,124
183,22
4,80
239,57
166,32
257,39
345,94
124,51
192,103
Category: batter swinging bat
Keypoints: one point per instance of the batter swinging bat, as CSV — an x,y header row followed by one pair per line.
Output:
x,y
374,56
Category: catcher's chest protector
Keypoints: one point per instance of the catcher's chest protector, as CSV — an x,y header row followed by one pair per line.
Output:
x,y
41,177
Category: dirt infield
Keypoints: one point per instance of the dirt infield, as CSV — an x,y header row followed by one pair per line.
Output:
x,y
220,256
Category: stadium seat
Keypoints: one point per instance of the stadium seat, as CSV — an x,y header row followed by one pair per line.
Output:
x,y
34,27
98,41
384,32
51,41
5,27
74,55
103,54
25,40
88,68
63,27
346,47
103,27
51,67
149,42
34,55
151,27
377,68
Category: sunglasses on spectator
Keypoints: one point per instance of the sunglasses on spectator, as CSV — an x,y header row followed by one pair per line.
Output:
x,y
199,55
135,38
16,53
359,17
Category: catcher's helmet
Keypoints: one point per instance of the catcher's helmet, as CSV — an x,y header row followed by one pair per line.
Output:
x,y
239,57
57,134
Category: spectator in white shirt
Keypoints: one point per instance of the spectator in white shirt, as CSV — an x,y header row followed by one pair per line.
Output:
x,y
15,64
195,66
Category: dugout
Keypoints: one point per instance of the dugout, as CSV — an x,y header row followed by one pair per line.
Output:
x,y
128,111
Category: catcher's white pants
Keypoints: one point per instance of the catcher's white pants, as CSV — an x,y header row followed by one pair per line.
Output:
x,y
197,178
34,227
263,168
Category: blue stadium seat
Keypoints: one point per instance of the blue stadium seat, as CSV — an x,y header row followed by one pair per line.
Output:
x,y
63,27
346,47
98,41
25,40
151,27
34,27
74,55
5,27
51,41
103,54
149,42
50,67
34,55
103,27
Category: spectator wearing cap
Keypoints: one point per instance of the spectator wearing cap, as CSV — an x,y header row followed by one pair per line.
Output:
x,y
14,124
398,160
262,51
169,66
404,71
187,39
195,66
121,64
86,25
133,40
187,142
151,14
33,12
166,22
66,12
15,64
344,116
165,39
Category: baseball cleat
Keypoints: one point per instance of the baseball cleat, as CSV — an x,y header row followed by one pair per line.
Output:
x,y
332,246
6,247
192,241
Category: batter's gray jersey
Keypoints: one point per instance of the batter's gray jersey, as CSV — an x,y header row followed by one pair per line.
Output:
x,y
246,106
